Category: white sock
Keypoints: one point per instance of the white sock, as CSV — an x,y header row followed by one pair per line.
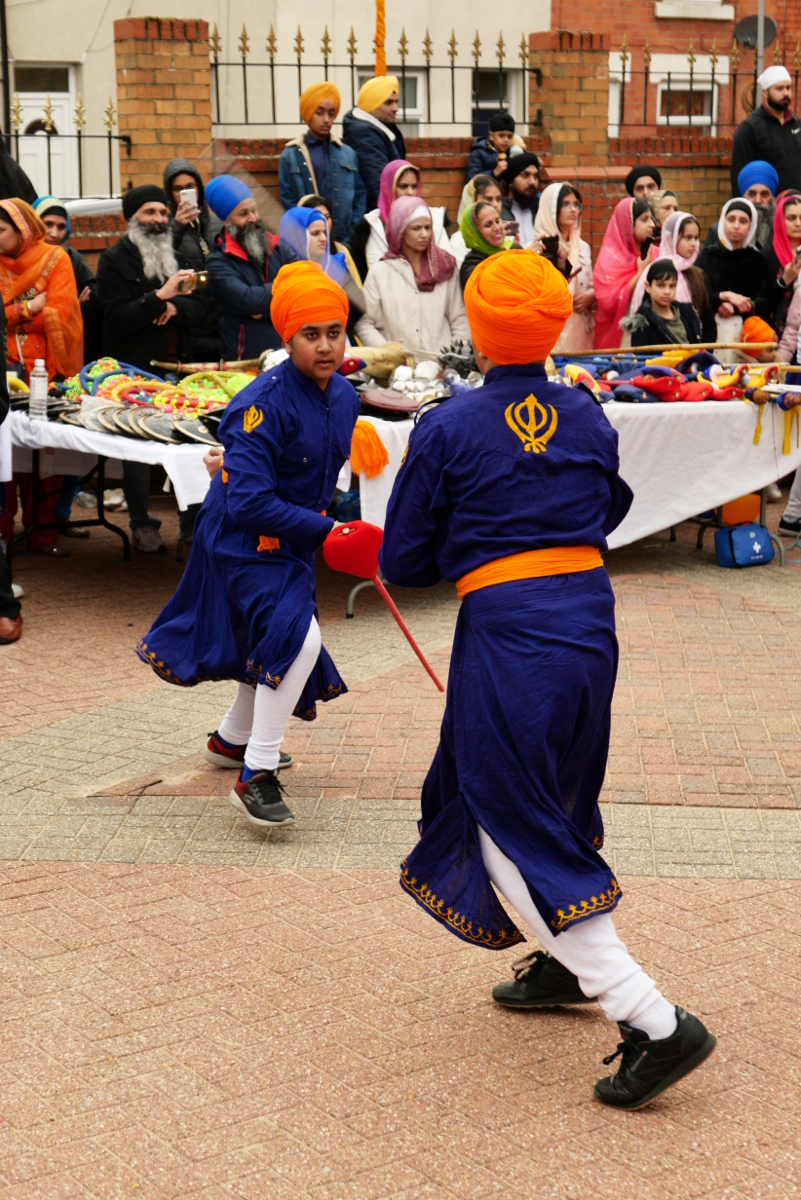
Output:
x,y
592,950
658,1020
273,707
237,724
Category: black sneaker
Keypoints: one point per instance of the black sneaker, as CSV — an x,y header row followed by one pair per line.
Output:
x,y
793,527
539,980
649,1068
220,755
259,798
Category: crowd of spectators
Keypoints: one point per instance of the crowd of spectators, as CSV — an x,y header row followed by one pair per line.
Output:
x,y
354,205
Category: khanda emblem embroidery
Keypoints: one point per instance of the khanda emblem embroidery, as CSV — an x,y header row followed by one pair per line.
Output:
x,y
253,417
532,424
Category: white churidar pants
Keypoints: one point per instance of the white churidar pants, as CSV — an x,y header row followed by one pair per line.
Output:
x,y
259,716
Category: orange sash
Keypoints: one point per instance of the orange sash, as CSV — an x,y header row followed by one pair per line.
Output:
x,y
531,564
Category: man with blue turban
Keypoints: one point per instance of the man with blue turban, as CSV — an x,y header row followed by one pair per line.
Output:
x,y
242,266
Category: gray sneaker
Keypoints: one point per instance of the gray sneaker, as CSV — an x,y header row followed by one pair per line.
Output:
x,y
148,539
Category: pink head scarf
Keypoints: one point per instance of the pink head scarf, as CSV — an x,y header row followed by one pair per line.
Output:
x,y
671,232
781,243
437,265
616,265
386,192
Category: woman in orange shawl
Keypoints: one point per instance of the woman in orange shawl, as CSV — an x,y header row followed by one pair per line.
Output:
x,y
43,320
43,316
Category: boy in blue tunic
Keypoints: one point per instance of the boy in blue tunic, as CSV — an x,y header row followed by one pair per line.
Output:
x,y
245,608
510,492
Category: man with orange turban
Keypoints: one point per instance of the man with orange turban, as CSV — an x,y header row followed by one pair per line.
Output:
x,y
371,130
245,608
317,163
510,492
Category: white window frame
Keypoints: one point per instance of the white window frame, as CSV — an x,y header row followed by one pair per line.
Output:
x,y
416,115
683,85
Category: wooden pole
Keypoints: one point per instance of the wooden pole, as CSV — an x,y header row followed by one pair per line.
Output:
x,y
380,35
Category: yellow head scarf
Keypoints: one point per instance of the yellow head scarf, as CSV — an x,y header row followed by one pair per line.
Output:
x,y
313,96
376,91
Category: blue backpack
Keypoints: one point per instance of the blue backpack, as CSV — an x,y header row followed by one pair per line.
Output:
x,y
743,546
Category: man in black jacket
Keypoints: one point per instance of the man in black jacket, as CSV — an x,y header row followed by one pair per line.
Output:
x,y
661,319
522,199
194,227
146,317
771,133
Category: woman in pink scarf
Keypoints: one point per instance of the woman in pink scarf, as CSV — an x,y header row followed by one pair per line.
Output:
x,y
398,178
413,295
619,267
668,248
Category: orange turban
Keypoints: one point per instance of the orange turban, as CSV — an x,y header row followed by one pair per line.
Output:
x,y
313,96
757,330
517,304
304,295
377,91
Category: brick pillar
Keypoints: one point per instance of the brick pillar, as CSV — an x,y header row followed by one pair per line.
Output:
x,y
163,94
573,96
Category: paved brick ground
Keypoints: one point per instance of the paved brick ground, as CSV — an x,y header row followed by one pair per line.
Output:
x,y
190,1009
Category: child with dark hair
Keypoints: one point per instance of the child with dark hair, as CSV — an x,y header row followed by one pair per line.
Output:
x,y
661,319
490,154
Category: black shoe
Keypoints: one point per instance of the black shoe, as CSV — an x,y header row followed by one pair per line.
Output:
x,y
539,980
649,1068
220,755
259,798
793,527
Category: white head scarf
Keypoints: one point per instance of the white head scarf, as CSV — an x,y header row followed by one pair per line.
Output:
x,y
668,248
749,241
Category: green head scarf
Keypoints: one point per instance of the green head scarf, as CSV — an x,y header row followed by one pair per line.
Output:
x,y
473,239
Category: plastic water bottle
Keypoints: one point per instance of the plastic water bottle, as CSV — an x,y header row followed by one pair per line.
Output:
x,y
37,401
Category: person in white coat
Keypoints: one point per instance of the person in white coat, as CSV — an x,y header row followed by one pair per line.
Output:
x,y
398,178
412,295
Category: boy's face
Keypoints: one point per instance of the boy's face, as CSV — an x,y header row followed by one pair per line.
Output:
x,y
662,291
318,350
502,139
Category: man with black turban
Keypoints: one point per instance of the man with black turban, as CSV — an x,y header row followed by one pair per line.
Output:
x,y
642,180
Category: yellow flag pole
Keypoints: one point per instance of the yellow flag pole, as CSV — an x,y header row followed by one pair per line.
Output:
x,y
380,35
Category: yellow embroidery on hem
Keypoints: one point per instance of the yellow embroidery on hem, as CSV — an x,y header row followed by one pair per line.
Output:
x,y
532,429
587,908
455,920
253,418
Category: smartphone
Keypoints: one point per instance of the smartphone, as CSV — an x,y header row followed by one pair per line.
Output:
x,y
188,195
645,247
550,248
512,229
657,234
194,282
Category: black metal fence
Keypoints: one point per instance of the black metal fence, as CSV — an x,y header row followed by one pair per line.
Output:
x,y
690,98
489,86
47,130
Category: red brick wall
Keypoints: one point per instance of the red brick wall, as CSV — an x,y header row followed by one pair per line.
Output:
x,y
163,93
571,99
91,235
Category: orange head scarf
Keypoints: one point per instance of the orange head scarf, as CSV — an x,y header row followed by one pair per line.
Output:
x,y
313,96
517,304
304,295
47,269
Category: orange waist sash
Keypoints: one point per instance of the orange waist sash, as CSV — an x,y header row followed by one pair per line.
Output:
x,y
531,564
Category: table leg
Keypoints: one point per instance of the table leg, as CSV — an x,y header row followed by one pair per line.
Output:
x,y
101,511
354,591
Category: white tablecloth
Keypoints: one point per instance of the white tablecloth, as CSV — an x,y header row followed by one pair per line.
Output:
x,y
678,459
71,450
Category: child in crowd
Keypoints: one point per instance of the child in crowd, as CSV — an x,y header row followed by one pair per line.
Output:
x,y
489,155
662,319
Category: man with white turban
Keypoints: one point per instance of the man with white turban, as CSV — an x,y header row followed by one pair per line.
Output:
x,y
772,132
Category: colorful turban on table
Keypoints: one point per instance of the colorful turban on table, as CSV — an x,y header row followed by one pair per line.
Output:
x,y
304,295
375,92
517,304
312,97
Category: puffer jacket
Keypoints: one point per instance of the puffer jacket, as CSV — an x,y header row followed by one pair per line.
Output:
x,y
397,311
243,291
483,159
375,144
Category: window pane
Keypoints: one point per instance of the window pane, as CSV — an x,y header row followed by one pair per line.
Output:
x,y
680,103
487,85
41,79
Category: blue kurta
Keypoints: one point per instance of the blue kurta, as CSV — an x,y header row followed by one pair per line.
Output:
x,y
241,612
520,465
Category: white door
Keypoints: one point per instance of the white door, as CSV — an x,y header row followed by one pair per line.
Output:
x,y
33,145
